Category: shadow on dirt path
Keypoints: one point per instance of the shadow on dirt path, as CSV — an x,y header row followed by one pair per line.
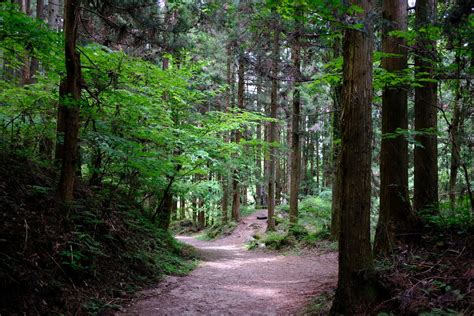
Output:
x,y
234,281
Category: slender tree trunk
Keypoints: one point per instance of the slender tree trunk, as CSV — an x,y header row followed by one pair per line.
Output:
x,y
54,19
454,131
225,200
426,154
273,130
295,126
355,288
182,208
327,174
259,187
396,219
228,104
174,210
34,64
278,174
70,98
240,101
336,143
194,209
201,214
289,129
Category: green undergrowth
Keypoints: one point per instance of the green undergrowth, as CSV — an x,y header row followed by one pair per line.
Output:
x,y
183,227
319,305
217,231
247,210
81,259
460,217
314,213
312,229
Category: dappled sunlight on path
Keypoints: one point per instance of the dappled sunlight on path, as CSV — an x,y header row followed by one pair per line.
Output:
x,y
233,281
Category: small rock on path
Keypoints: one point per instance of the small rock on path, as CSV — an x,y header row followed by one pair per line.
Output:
x,y
234,281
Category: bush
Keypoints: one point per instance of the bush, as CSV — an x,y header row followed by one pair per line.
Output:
x,y
447,218
277,241
218,230
298,231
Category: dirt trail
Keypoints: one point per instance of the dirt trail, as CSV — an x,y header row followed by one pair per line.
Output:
x,y
234,281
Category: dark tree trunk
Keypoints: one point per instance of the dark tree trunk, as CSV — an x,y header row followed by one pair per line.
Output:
x,y
272,137
426,154
201,215
396,220
295,125
163,212
355,288
225,200
240,101
454,131
174,209
194,210
228,104
336,143
278,175
182,208
34,64
69,107
258,166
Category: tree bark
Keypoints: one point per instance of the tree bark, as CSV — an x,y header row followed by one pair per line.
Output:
x,y
201,214
273,130
228,104
426,153
295,125
396,220
70,98
454,131
336,143
240,102
182,208
54,19
34,64
355,288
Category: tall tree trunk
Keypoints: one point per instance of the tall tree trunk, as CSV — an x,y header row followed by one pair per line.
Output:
x,y
426,154
273,130
396,219
355,285
182,208
278,174
454,131
295,124
194,210
327,172
54,19
318,164
174,209
228,104
201,214
70,98
259,187
34,64
336,143
289,128
240,101
225,200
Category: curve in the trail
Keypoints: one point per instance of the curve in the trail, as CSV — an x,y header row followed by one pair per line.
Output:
x,y
234,281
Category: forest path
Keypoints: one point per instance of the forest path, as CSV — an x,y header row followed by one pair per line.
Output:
x,y
234,281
